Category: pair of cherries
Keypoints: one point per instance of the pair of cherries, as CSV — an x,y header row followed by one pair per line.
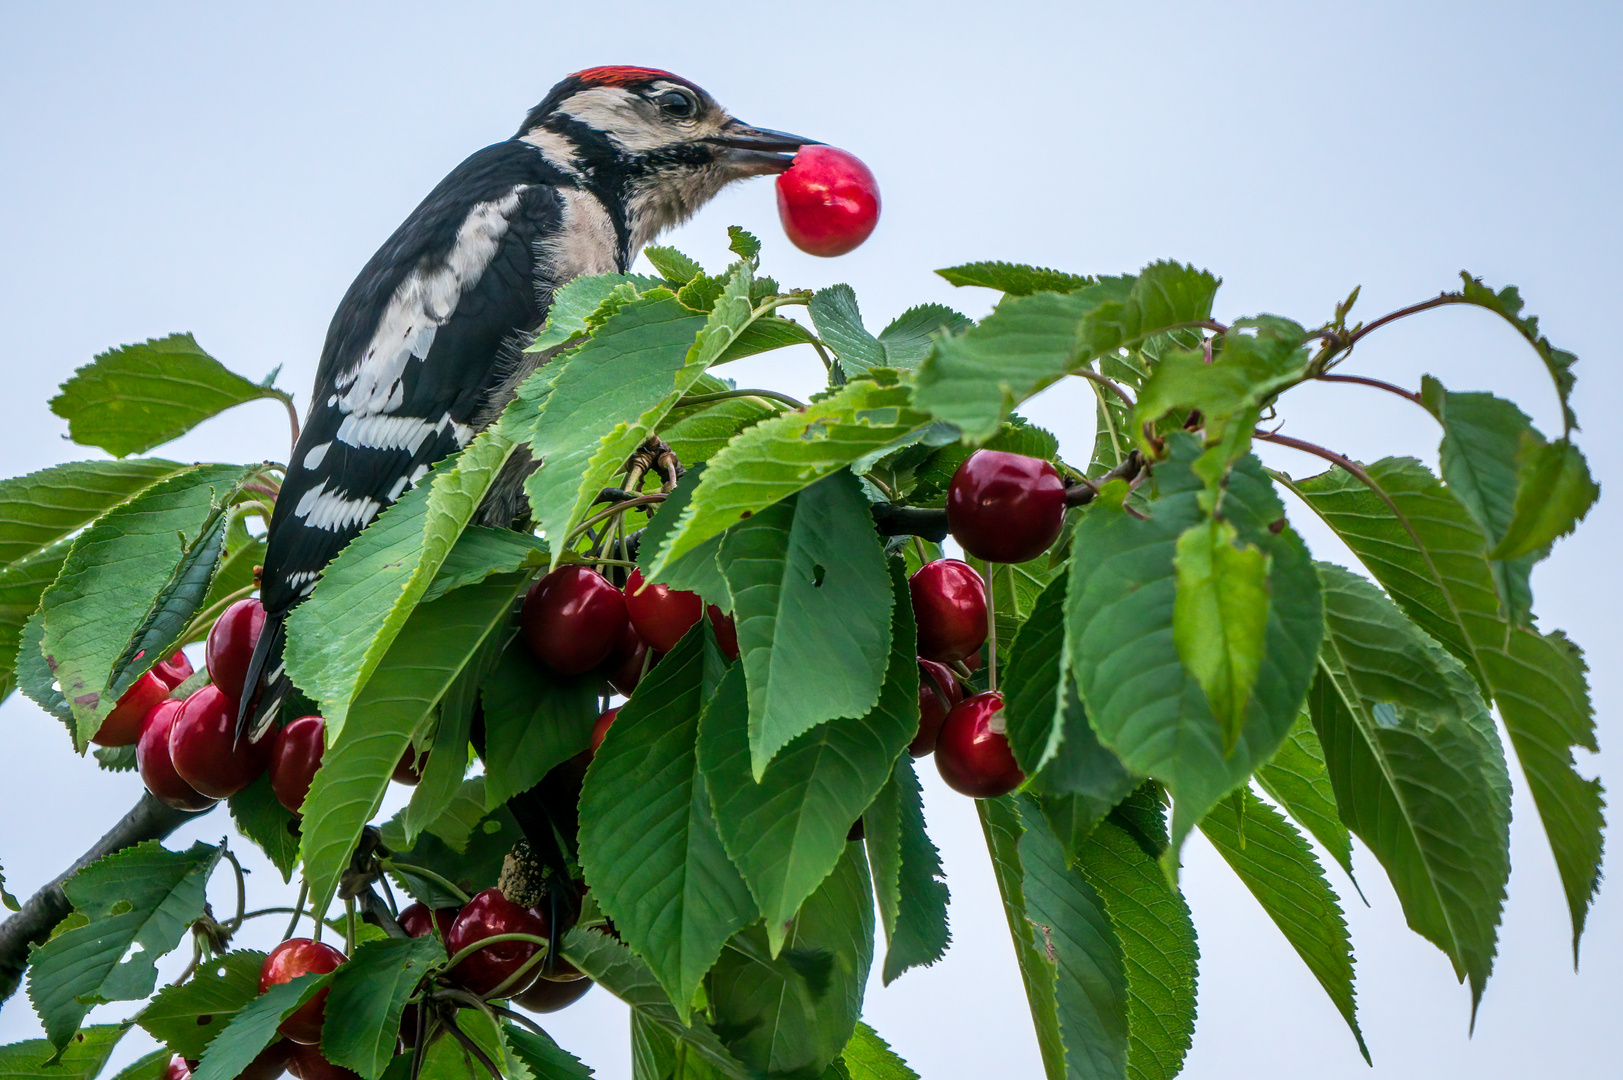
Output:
x,y
551,985
575,621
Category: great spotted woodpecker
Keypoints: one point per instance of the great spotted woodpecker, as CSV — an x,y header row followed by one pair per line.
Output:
x,y
428,344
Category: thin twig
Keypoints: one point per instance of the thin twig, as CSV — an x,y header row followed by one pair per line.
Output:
x,y
444,883
292,423
518,1017
298,908
630,504
1111,384
242,884
1352,467
1402,313
1364,380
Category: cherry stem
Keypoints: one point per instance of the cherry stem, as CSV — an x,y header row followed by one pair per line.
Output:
x,y
728,395
1403,313
242,885
444,883
473,1048
517,1017
207,616
1364,380
1110,384
512,980
617,508
991,627
298,908
292,423
494,939
349,925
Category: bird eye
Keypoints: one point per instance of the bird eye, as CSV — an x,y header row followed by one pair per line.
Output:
x,y
677,103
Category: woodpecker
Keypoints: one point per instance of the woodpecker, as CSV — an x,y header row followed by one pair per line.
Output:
x,y
428,344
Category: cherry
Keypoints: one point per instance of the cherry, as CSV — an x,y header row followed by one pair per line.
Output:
x,y
158,769
417,921
178,1069
972,752
231,644
123,725
203,745
295,756
625,663
828,201
601,728
572,618
949,602
490,913
726,631
409,769
938,693
271,1062
173,671
309,1063
547,995
660,613
1005,508
292,958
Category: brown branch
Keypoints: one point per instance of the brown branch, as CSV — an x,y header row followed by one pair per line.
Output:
x,y
1364,380
149,819
1403,313
1087,490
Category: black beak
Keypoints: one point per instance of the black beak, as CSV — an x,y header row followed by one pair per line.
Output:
x,y
753,150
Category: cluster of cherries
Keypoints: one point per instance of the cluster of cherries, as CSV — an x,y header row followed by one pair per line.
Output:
x,y
1000,508
499,967
187,749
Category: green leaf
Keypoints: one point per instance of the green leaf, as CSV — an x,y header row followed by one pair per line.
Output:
x,y
902,345
1075,941
742,242
1482,436
21,586
794,1014
789,452
868,1057
648,841
611,393
41,509
1296,779
697,433
1047,727
262,818
254,1028
535,719
545,1059
1219,618
480,552
185,1017
441,794
909,882
34,676
766,333
436,643
131,553
1120,627
1282,873
475,866
612,966
787,831
1429,555
368,993
1000,822
135,397
675,267
85,1056
1553,493
139,903
6,898
153,1066
337,637
573,304
697,571
1159,953
1507,303
1014,279
1418,771
812,600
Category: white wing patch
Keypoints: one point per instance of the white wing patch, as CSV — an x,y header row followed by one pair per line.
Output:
x,y
334,510
424,302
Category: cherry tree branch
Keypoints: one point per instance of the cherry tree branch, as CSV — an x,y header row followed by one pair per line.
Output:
x,y
149,819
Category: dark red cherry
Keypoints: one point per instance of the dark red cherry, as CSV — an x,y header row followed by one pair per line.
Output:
x,y
938,693
972,753
309,1063
660,613
158,769
231,644
286,962
572,619
726,631
295,757
828,201
271,1062
1005,508
203,745
547,995
949,602
417,921
601,728
490,913
409,769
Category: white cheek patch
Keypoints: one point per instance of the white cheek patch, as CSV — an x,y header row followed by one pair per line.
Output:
x,y
423,302
615,113
333,510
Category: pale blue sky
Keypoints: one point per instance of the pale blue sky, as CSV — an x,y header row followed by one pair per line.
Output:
x,y
226,169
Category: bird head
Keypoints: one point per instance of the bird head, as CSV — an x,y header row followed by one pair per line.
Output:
x,y
653,141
